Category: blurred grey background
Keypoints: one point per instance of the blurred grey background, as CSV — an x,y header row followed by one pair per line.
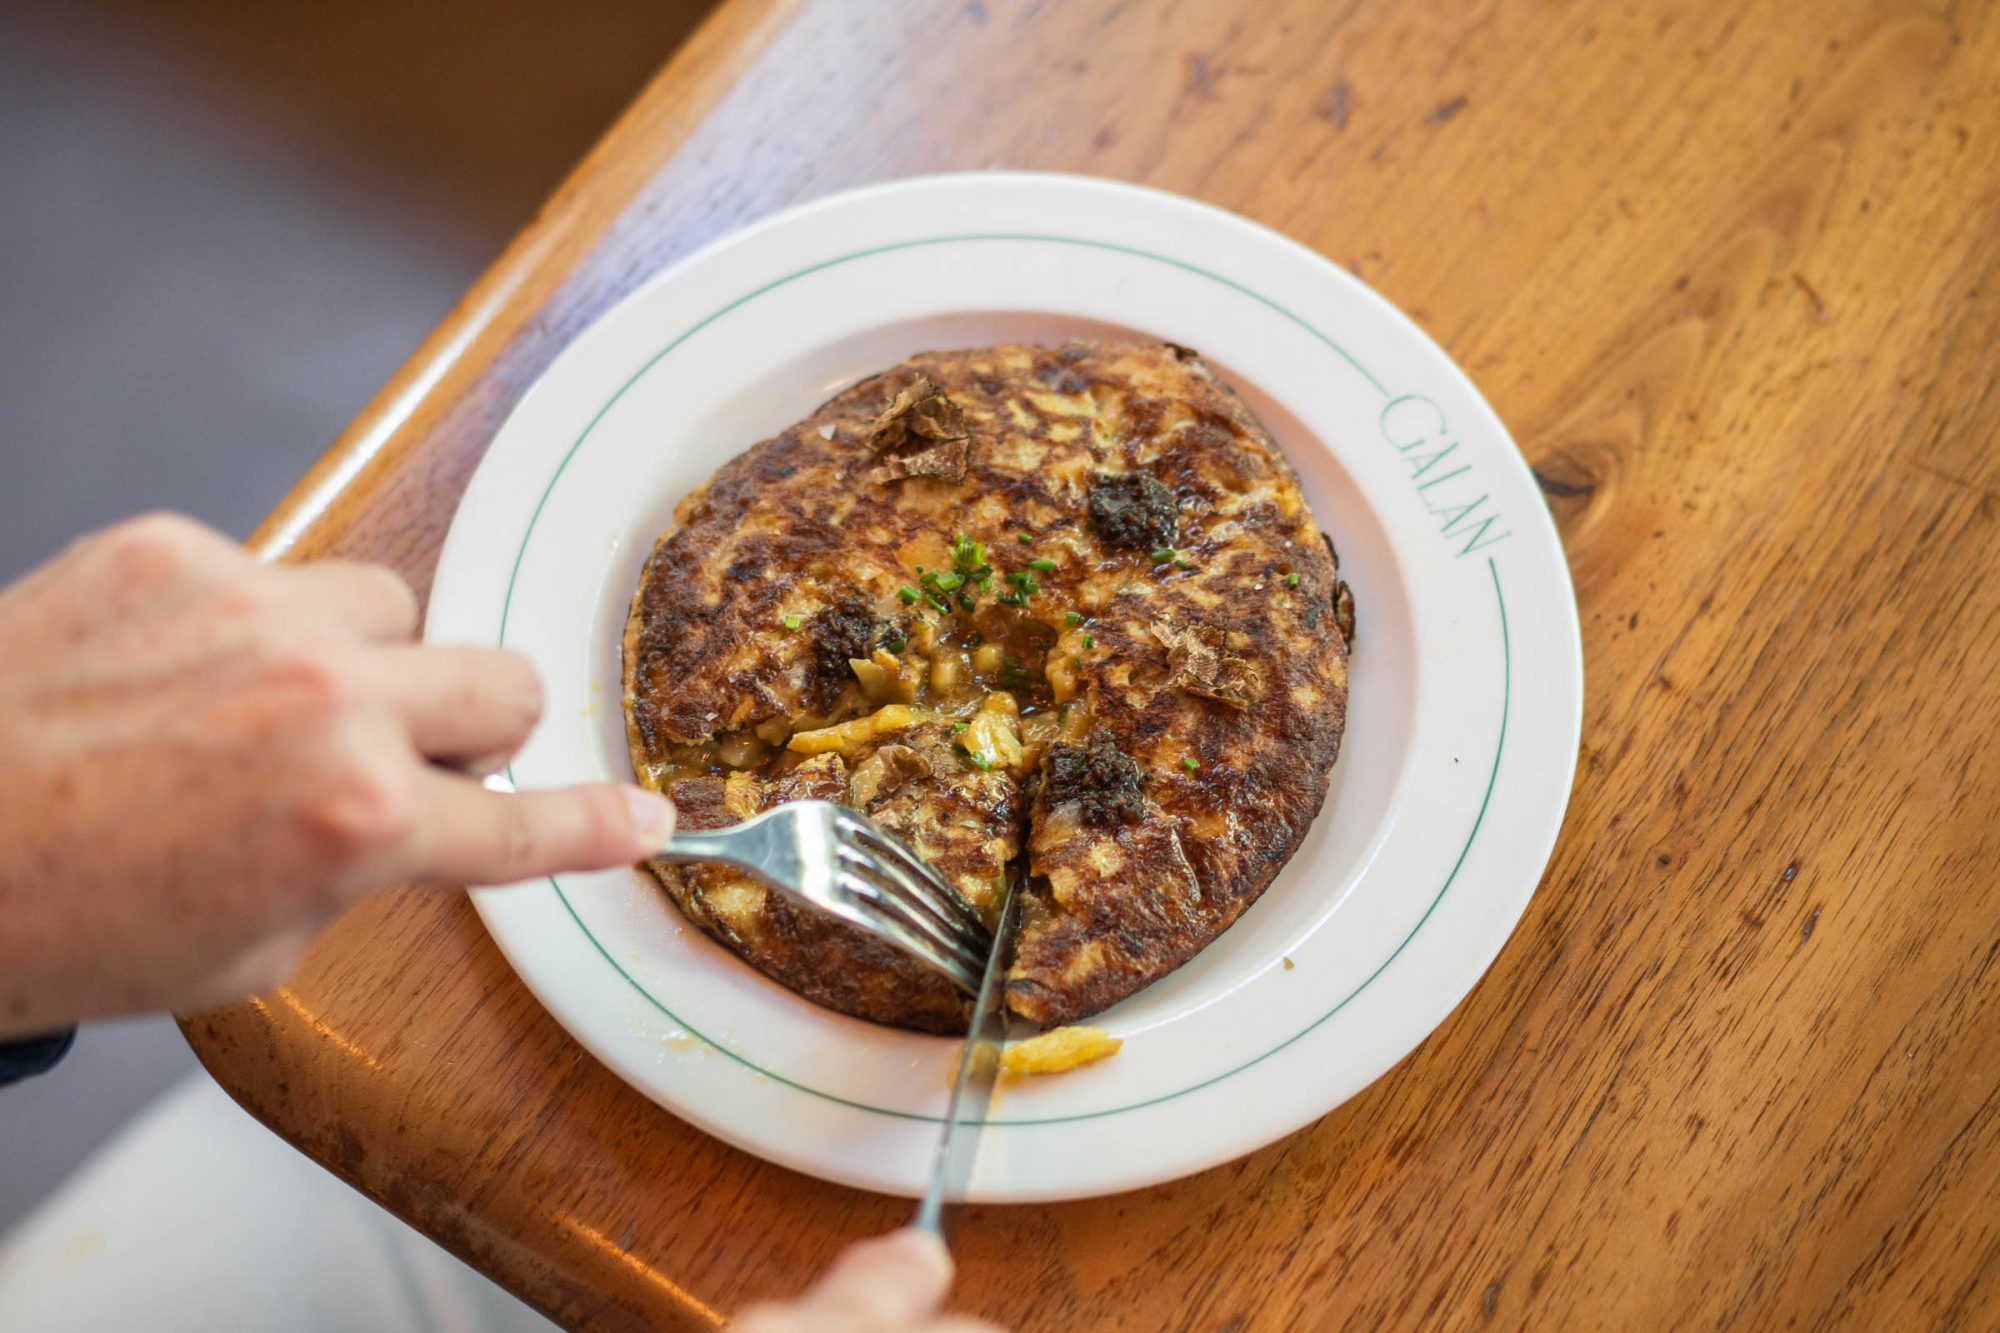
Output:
x,y
223,224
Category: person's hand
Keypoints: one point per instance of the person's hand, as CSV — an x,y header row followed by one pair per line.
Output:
x,y
891,1284
203,759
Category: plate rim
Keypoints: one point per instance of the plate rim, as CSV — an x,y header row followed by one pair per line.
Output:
x,y
1538,849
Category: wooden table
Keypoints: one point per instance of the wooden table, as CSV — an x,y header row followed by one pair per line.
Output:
x,y
1732,275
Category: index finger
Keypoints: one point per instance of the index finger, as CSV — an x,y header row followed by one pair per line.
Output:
x,y
472,835
371,600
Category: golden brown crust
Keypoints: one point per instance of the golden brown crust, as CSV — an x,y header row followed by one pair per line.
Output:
x,y
814,955
1220,670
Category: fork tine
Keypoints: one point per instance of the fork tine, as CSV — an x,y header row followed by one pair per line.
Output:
x,y
915,917
952,916
926,882
839,862
888,915
890,895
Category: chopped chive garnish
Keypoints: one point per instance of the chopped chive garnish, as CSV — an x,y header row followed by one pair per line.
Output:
x,y
897,645
908,594
1182,562
1023,538
1291,580
1076,661
1072,620
937,601
951,582
1041,566
976,760
1164,554
1062,711
965,602
1190,765
967,556
791,622
1089,642
957,727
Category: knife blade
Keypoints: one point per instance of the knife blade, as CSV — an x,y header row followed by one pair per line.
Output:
x,y
978,1074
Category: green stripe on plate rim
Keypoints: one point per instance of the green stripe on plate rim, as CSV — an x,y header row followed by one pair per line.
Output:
x,y
1506,658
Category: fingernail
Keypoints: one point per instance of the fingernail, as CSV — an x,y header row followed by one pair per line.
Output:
x,y
652,818
487,765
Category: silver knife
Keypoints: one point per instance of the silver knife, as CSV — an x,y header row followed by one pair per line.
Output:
x,y
978,1074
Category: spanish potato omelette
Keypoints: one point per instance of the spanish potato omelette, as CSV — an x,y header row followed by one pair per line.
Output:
x,y
1061,602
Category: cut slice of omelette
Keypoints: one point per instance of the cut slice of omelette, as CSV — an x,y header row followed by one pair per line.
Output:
x,y
1061,602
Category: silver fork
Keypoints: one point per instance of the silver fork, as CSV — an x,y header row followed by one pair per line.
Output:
x,y
843,863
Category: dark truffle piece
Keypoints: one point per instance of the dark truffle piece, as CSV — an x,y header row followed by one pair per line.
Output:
x,y
1098,774
844,630
1134,510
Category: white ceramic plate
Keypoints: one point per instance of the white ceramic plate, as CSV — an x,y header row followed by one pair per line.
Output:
x,y
1463,718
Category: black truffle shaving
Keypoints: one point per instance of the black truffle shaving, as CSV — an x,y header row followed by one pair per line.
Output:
x,y
1099,775
1134,510
846,629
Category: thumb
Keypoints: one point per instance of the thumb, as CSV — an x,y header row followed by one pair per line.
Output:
x,y
890,1281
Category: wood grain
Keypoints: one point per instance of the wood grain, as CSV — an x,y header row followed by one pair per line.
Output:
x,y
1730,273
